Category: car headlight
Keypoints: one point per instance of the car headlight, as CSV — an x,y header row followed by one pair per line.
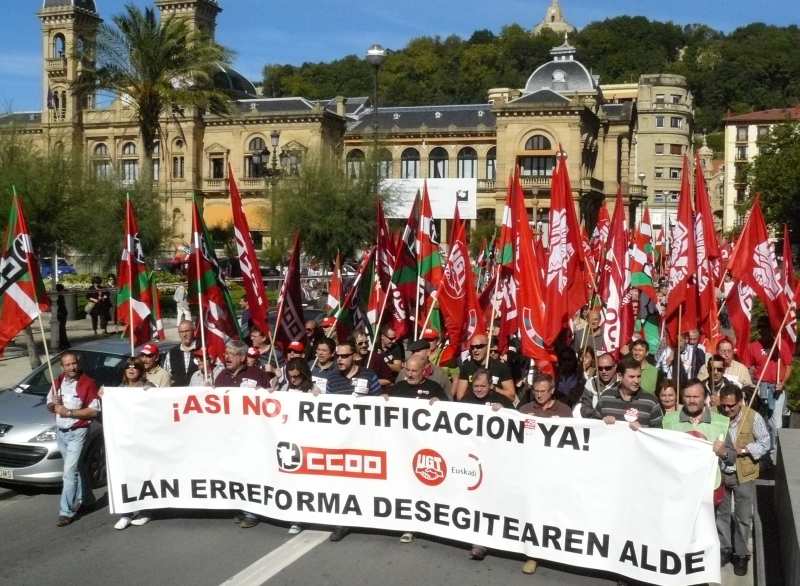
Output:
x,y
48,435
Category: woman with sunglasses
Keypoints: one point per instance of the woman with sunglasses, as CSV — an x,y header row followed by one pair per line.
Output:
x,y
133,376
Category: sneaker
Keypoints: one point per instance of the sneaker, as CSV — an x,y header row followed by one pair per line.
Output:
x,y
141,520
406,538
248,522
122,523
64,521
529,567
477,553
724,557
339,533
740,565
294,529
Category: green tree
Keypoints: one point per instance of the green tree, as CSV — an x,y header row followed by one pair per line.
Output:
x,y
67,207
156,66
775,174
332,212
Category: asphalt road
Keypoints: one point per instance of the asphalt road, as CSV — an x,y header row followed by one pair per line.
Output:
x,y
207,549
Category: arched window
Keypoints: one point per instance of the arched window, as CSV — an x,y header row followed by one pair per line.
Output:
x,y
59,46
256,160
156,161
409,164
101,150
355,163
538,143
437,163
491,164
467,163
178,145
129,165
178,166
384,164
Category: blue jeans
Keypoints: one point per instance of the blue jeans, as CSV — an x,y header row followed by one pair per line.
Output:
x,y
772,410
70,444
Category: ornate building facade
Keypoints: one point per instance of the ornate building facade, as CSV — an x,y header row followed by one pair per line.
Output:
x,y
625,136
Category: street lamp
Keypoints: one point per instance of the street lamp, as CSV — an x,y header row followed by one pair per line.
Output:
x,y
274,137
376,55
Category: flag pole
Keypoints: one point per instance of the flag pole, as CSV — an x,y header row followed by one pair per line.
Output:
x,y
430,312
380,319
200,311
277,323
130,270
677,360
491,321
36,298
419,268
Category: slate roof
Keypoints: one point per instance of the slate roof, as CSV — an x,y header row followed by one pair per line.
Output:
x,y
353,106
274,105
21,118
409,118
543,96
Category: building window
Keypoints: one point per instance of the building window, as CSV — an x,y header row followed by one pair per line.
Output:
x,y
741,153
537,166
675,149
491,164
217,166
156,161
409,164
384,164
438,162
256,159
659,122
659,148
676,98
467,163
258,239
538,143
129,149
177,167
741,134
659,98
659,172
741,195
59,46
129,167
355,163
676,122
763,132
674,172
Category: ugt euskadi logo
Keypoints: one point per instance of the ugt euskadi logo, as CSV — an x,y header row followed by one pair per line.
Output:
x,y
349,462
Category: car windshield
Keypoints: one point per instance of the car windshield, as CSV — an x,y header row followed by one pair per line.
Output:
x,y
105,369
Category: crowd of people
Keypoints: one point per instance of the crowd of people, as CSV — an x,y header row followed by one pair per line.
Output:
x,y
693,390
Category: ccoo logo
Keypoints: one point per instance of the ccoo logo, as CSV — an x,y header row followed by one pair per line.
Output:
x,y
429,467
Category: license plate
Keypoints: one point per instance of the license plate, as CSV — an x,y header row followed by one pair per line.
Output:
x,y
6,474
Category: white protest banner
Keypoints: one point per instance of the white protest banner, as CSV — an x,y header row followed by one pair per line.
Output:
x,y
443,193
578,492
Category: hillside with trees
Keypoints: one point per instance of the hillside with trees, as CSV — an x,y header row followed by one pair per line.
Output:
x,y
752,68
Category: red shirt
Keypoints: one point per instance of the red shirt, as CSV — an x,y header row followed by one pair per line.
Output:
x,y
757,357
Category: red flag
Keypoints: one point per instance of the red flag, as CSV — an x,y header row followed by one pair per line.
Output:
x,y
600,236
385,261
529,295
384,251
615,284
506,300
134,299
22,293
290,324
352,314
565,283
208,291
753,262
428,256
682,294
457,296
740,313
252,282
707,253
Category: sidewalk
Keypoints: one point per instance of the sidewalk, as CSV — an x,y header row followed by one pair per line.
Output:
x,y
15,363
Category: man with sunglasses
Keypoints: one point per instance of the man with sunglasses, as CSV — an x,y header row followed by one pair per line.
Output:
x,y
735,371
718,379
352,378
601,383
501,380
179,361
362,347
387,360
746,442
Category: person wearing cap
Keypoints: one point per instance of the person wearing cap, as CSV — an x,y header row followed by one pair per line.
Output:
x,y
295,349
328,322
155,375
422,349
179,361
203,363
501,380
324,366
251,359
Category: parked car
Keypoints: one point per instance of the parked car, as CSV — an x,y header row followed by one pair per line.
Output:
x,y
28,450
46,267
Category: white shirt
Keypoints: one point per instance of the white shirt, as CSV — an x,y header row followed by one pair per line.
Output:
x,y
70,400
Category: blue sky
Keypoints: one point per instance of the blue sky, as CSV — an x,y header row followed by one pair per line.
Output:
x,y
269,31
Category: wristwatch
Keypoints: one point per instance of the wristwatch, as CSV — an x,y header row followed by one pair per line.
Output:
x,y
69,412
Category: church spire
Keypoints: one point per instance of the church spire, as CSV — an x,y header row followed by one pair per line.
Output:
x,y
554,20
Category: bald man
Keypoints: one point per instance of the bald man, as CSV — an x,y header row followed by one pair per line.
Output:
x,y
416,385
501,380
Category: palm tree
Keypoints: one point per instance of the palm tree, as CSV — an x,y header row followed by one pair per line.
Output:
x,y
156,66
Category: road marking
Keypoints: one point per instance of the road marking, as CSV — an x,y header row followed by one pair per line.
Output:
x,y
265,568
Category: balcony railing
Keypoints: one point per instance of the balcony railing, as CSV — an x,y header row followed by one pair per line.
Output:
x,y
535,180
56,66
215,184
253,182
667,107
486,184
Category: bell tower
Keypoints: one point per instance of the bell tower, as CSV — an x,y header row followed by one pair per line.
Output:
x,y
201,14
69,30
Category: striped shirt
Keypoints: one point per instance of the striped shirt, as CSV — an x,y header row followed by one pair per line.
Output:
x,y
642,407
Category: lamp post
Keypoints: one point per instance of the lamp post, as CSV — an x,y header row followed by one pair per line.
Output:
x,y
274,138
376,55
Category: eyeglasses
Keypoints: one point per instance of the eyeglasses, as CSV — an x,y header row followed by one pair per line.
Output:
x,y
344,355
362,344
606,368
390,338
185,331
718,369
133,366
478,346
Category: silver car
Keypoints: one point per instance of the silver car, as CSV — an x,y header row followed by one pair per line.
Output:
x,y
28,450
